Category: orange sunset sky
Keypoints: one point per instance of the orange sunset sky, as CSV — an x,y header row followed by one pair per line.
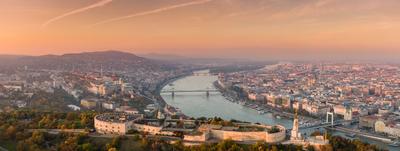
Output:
x,y
222,28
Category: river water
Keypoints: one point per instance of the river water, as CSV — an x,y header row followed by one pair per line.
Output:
x,y
197,104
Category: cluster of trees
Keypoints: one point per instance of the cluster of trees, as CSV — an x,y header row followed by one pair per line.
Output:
x,y
273,129
139,103
41,100
213,121
342,144
219,121
337,143
13,124
216,121
39,141
81,142
59,99
227,145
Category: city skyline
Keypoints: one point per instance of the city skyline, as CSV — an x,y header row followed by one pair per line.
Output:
x,y
180,75
260,29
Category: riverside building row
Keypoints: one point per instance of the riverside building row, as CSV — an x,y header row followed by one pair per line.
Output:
x,y
369,92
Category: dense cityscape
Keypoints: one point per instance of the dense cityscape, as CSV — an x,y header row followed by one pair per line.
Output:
x,y
199,75
366,95
319,102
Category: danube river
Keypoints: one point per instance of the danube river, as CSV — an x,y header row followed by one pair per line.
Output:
x,y
197,104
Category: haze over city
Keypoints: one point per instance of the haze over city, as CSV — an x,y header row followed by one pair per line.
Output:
x,y
261,29
199,75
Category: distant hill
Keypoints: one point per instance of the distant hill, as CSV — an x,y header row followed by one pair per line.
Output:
x,y
166,57
7,60
111,61
193,60
89,61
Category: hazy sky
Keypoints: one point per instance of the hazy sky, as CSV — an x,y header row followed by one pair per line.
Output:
x,y
224,28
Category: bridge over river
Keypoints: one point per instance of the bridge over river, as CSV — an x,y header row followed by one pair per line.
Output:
x,y
206,91
326,124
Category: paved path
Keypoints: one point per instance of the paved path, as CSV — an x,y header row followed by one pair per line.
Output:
x,y
364,134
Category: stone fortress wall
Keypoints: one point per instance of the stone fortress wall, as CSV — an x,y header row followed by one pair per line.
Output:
x,y
120,124
250,136
240,136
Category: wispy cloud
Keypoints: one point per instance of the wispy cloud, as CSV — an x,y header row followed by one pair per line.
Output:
x,y
312,8
247,12
155,11
258,7
76,11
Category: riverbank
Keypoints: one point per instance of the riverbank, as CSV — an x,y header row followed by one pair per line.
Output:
x,y
161,85
198,104
161,102
261,108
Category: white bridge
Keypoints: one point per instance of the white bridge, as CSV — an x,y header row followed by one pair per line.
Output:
x,y
330,122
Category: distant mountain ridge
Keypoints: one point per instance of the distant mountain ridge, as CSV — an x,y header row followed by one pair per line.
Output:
x,y
8,60
89,61
193,60
5,58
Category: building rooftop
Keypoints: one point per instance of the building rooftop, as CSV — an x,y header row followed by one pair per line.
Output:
x,y
117,117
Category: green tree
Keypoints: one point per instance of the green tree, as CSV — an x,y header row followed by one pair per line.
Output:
x,y
87,147
71,116
37,138
273,129
10,132
225,145
235,147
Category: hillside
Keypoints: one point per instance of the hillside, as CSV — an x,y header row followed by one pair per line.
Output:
x,y
89,61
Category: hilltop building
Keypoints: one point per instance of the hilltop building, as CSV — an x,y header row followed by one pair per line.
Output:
x,y
121,123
